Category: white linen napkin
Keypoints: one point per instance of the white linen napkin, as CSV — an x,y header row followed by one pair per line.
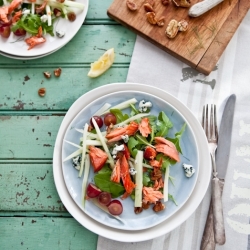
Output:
x,y
152,66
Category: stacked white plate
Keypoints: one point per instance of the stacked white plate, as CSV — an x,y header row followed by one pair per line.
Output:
x,y
15,47
134,227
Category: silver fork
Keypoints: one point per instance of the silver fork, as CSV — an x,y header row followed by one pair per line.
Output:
x,y
211,132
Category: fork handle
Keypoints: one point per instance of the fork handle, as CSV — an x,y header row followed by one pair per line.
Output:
x,y
219,229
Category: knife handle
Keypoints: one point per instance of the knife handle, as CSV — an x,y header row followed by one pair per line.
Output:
x,y
219,229
207,241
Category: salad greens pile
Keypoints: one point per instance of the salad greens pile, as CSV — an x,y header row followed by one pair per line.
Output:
x,y
141,169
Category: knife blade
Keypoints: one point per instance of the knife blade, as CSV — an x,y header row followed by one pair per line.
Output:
x,y
224,139
210,235
202,7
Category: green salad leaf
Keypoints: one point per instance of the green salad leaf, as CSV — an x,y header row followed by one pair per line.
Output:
x,y
163,124
177,138
119,115
102,181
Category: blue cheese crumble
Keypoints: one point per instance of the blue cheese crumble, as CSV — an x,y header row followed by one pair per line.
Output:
x,y
143,106
189,170
117,149
77,162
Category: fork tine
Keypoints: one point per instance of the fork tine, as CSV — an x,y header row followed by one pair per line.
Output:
x,y
211,130
215,123
206,122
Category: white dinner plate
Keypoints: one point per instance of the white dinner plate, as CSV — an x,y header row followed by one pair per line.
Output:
x,y
16,46
170,223
182,188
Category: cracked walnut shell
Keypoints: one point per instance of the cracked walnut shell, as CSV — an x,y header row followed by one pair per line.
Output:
x,y
172,29
183,25
151,17
42,92
182,3
148,7
131,5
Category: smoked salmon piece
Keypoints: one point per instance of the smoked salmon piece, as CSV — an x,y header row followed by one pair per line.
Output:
x,y
34,41
125,176
116,173
97,158
13,5
150,195
117,133
17,16
155,163
144,127
3,14
167,148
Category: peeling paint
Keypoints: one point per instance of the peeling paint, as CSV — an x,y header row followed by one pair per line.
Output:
x,y
33,221
26,78
3,118
19,106
47,145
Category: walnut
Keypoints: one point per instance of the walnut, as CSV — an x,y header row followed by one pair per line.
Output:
x,y
71,16
156,174
145,205
183,25
165,2
131,5
151,17
161,21
42,92
47,74
182,3
57,72
138,210
158,206
148,7
172,29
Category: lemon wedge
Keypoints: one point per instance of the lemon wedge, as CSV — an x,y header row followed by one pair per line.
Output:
x,y
102,64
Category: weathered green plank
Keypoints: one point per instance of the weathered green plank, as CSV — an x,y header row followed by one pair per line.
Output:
x,y
98,9
27,137
84,48
18,91
45,233
28,187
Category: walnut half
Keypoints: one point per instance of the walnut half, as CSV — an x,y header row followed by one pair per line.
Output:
x,y
182,3
172,29
158,206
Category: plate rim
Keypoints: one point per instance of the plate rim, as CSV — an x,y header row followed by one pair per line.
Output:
x,y
36,52
165,103
170,223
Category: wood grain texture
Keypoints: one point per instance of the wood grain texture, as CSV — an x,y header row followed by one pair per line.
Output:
x,y
28,187
45,233
189,46
222,39
28,137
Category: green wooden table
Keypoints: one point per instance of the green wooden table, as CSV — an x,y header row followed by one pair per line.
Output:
x,y
32,214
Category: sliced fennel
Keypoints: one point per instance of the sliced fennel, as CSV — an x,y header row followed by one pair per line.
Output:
x,y
74,154
165,187
104,108
85,179
91,135
122,105
143,164
84,147
105,147
88,143
138,178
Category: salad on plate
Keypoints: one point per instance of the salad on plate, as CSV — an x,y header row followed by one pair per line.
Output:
x,y
32,20
131,152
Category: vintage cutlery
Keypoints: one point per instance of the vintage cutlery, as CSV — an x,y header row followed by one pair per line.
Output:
x,y
222,157
202,7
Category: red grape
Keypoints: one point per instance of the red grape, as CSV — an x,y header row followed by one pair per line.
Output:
x,y
115,207
104,198
93,191
98,120
109,119
5,31
20,32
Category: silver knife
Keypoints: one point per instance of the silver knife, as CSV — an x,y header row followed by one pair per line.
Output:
x,y
216,234
202,7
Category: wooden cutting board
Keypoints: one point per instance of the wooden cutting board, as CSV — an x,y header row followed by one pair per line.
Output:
x,y
202,44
